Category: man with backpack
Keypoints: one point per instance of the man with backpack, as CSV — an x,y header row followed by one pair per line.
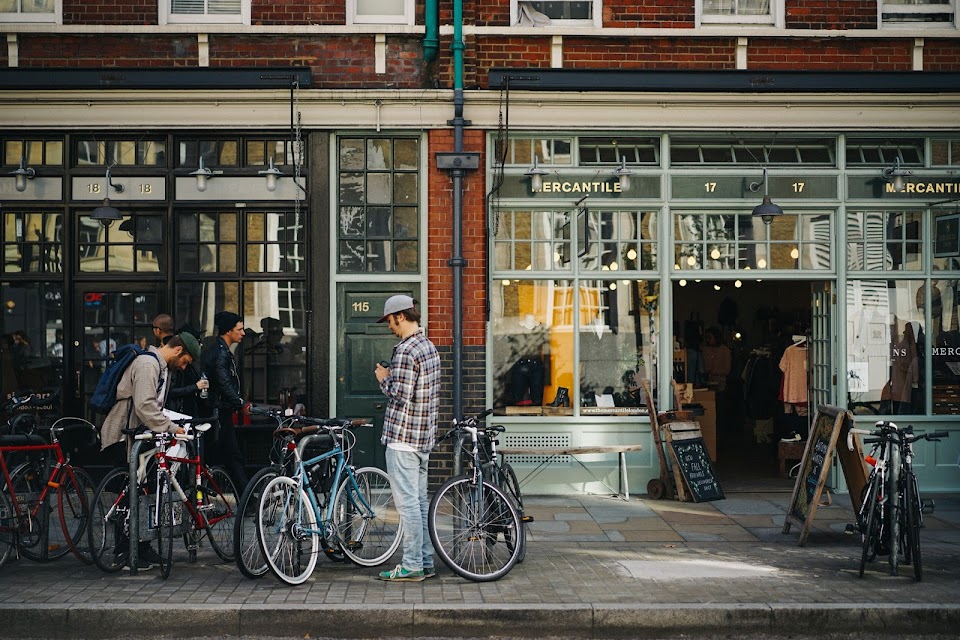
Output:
x,y
141,392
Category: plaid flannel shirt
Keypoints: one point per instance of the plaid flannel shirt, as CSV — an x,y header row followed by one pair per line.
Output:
x,y
413,390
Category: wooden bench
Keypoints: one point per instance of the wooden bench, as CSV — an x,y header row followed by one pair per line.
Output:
x,y
552,453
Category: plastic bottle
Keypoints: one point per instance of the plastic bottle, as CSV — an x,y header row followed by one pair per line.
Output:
x,y
205,392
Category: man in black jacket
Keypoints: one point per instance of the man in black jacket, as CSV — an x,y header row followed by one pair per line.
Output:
x,y
221,369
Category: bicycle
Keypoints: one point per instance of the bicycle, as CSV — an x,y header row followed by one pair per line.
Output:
x,y
208,502
25,507
250,559
362,519
474,526
891,512
499,472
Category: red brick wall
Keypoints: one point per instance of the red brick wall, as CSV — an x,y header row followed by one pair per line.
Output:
x,y
110,12
832,54
298,12
649,53
831,14
674,14
440,241
941,55
498,51
104,50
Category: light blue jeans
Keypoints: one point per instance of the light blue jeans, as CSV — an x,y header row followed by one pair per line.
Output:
x,y
408,480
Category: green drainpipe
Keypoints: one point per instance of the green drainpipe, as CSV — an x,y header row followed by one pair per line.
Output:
x,y
431,36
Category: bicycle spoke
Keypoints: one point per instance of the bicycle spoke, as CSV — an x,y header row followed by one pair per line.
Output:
x,y
365,518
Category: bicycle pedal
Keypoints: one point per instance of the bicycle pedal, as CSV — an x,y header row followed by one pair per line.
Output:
x,y
927,505
850,529
526,519
205,507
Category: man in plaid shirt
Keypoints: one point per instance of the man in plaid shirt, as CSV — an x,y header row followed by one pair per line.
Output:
x,y
412,385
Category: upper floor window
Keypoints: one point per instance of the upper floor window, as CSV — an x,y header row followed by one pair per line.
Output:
x,y
563,13
740,11
31,11
380,11
912,12
204,11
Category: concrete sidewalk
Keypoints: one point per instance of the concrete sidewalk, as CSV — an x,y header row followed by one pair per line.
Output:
x,y
596,567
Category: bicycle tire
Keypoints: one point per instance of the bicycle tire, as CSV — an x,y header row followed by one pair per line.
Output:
x,y
220,500
893,508
465,522
285,521
8,522
512,487
247,551
163,517
28,482
368,537
913,522
108,523
868,525
74,497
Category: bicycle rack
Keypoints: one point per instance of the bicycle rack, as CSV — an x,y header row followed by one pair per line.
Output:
x,y
133,500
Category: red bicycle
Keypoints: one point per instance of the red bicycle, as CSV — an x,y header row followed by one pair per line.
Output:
x,y
44,485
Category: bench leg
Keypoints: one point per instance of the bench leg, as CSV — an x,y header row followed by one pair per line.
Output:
x,y
624,480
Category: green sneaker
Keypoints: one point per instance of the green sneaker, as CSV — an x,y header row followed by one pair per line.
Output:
x,y
402,574
429,572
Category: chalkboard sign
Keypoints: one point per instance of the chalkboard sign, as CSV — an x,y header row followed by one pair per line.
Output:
x,y
829,425
694,463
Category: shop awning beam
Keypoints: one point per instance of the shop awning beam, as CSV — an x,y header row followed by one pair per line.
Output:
x,y
179,78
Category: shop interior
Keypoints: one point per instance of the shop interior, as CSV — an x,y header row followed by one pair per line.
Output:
x,y
730,338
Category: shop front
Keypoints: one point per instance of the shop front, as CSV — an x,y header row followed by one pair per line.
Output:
x,y
615,258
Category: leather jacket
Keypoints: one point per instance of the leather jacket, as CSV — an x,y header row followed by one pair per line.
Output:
x,y
221,370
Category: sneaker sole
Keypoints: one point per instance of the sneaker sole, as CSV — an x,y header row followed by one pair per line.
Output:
x,y
410,579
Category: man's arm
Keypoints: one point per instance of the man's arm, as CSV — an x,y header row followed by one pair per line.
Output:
x,y
400,385
219,375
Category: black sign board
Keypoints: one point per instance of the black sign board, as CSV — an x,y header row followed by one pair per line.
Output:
x,y
829,426
697,469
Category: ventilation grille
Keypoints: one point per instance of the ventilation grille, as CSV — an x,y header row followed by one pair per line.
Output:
x,y
538,441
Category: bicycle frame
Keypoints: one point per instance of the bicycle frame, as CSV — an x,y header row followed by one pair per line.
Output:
x,y
163,467
59,467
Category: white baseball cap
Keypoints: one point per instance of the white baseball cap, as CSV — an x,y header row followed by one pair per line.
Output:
x,y
396,304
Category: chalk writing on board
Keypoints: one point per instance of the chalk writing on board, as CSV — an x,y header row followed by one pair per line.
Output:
x,y
697,469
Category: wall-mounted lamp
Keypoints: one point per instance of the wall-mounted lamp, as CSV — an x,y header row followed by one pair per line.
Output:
x,y
23,173
106,214
271,173
203,174
622,174
897,175
536,175
766,209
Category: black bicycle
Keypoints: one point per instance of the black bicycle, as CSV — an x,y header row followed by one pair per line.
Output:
x,y
499,472
891,511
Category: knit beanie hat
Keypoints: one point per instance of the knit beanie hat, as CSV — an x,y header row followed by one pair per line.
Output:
x,y
225,320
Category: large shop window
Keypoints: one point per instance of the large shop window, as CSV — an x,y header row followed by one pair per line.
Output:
x,y
742,241
579,343
273,354
31,346
378,196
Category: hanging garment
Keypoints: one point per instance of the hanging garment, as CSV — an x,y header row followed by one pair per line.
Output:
x,y
793,364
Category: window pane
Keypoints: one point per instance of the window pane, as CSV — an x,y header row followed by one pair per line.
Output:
x,y
886,345
945,338
946,240
380,7
532,342
32,242
33,353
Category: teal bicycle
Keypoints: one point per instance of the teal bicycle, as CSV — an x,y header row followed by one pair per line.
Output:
x,y
361,519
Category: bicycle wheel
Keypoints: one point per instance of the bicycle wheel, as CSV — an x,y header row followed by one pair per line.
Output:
x,y
512,487
28,482
164,519
7,523
911,505
366,522
74,497
109,527
219,513
287,530
893,508
869,525
249,557
466,522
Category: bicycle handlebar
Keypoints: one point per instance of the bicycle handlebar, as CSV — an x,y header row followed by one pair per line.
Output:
x,y
885,427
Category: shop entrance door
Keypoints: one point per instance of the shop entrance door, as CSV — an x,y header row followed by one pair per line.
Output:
x,y
823,380
361,343
107,316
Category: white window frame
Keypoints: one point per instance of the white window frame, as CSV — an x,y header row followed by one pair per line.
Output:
x,y
883,7
597,21
166,16
55,17
408,17
774,18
